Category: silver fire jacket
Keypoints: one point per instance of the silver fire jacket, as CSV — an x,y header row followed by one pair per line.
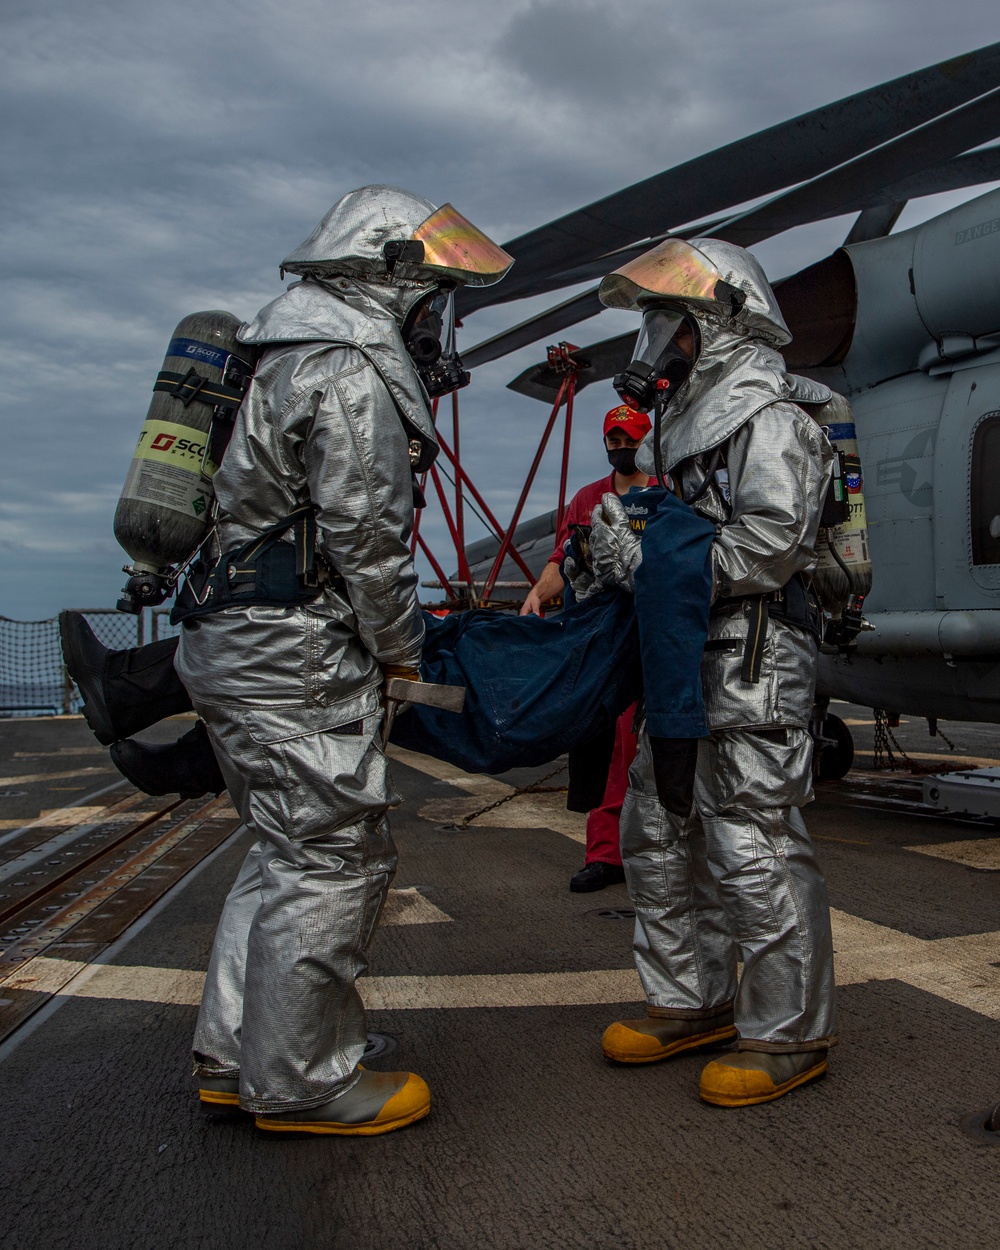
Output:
x,y
768,484
329,418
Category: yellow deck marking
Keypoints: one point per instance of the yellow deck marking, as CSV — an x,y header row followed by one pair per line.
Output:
x,y
27,779
981,853
527,811
948,762
60,817
410,907
61,754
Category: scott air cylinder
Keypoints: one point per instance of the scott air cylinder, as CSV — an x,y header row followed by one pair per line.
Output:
x,y
844,566
166,503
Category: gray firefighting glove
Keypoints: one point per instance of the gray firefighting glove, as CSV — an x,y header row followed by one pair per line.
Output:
x,y
581,580
577,567
615,547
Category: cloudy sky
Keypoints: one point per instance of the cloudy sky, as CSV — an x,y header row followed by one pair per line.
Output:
x,y
160,159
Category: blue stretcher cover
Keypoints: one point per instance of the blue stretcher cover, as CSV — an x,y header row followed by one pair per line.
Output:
x,y
673,594
538,687
534,687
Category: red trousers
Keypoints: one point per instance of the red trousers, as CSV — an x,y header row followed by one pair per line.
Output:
x,y
602,822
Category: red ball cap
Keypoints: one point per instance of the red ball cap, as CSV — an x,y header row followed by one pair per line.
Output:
x,y
635,424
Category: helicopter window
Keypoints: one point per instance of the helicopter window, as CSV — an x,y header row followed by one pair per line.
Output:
x,y
986,491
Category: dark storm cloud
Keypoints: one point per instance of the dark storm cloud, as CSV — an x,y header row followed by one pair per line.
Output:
x,y
163,158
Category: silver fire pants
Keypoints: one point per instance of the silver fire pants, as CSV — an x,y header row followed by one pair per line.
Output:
x,y
280,1007
291,701
736,880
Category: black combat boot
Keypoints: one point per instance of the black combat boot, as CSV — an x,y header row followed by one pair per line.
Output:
x,y
186,767
124,692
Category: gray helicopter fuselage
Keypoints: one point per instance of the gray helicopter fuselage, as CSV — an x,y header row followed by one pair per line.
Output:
x,y
923,377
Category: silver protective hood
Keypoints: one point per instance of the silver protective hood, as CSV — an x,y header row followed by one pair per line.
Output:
x,y
366,315
709,276
760,315
350,238
733,378
806,391
381,233
739,370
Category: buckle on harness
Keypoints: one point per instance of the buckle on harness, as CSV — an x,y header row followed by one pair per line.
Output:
x,y
188,387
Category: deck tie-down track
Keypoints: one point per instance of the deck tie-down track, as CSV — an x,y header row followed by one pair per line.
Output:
x,y
67,891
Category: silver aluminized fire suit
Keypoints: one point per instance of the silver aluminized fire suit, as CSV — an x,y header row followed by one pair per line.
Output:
x,y
739,879
290,695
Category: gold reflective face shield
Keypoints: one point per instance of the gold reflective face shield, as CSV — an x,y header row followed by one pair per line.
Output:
x,y
673,269
456,248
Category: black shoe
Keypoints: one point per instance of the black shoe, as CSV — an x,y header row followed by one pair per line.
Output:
x,y
126,691
86,659
596,876
186,767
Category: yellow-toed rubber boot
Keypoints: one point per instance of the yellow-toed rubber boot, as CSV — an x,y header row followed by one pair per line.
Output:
x,y
752,1076
655,1038
378,1102
219,1091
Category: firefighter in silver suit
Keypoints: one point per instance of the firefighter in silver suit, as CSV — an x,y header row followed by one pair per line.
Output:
x,y
731,876
335,423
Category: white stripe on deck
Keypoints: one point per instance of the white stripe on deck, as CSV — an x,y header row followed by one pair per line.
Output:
x,y
958,970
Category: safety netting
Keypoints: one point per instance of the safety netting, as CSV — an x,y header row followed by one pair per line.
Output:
x,y
33,680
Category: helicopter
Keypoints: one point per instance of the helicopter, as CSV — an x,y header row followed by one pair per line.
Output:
x,y
906,326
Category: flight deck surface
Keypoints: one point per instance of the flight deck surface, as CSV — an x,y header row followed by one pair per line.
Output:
x,y
494,982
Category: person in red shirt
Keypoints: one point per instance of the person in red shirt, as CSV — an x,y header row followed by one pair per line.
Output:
x,y
624,430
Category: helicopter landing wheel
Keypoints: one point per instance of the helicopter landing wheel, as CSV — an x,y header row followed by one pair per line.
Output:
x,y
835,761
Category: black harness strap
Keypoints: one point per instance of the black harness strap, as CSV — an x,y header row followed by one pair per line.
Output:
x,y
264,571
191,386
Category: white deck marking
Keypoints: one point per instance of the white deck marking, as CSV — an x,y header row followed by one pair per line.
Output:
x,y
958,970
981,853
527,811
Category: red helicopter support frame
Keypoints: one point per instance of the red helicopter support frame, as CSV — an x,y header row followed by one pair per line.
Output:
x,y
462,591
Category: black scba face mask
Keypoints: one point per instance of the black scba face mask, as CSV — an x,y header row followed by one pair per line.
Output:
x,y
429,334
659,368
622,460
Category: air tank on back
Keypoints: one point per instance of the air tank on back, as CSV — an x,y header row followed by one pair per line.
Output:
x,y
844,568
167,500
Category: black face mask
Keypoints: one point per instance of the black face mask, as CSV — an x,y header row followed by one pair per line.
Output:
x,y
429,334
658,368
622,460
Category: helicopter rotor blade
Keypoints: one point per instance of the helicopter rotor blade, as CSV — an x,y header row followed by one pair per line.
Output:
x,y
759,164
961,171
837,191
969,170
875,223
883,205
579,308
